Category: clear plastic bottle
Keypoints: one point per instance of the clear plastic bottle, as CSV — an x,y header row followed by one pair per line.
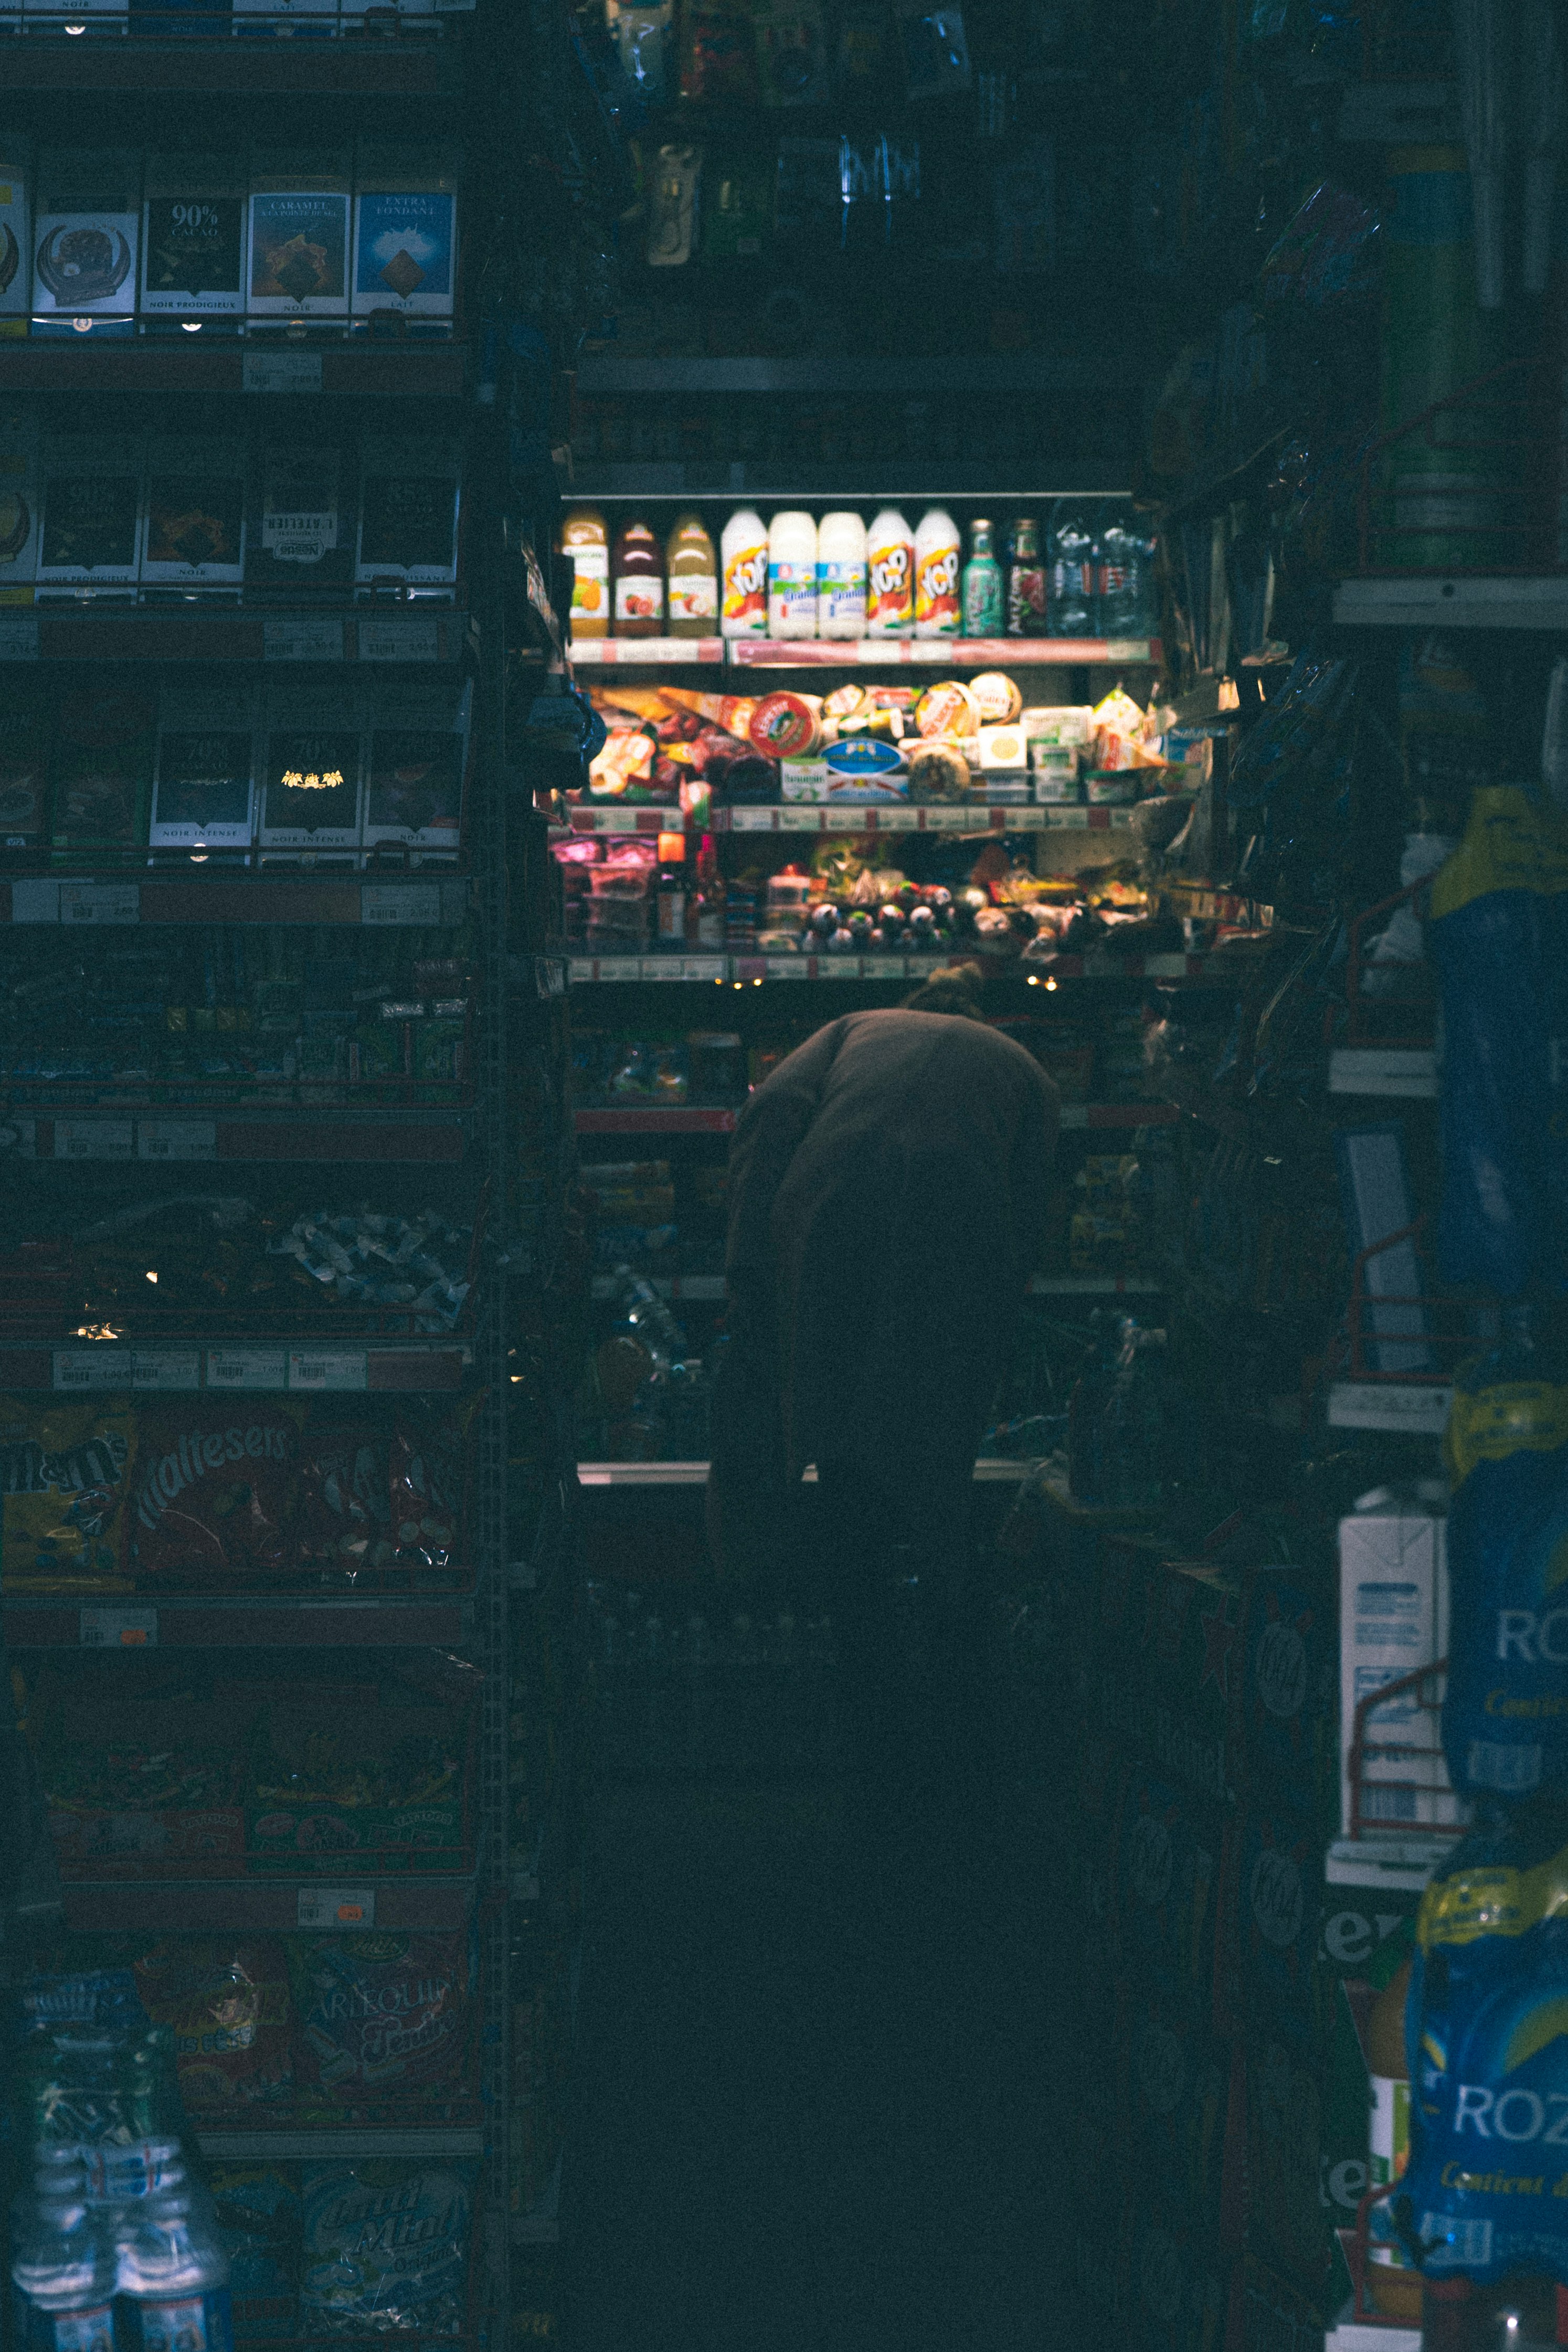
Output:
x,y
1069,566
62,2261
791,574
841,576
743,552
1122,588
890,576
938,553
173,2271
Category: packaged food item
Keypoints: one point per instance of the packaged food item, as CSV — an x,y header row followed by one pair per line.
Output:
x,y
311,775
16,231
227,2003
299,241
86,234
737,205
18,498
300,540
386,2248
214,1492
890,575
671,205
794,53
1109,787
717,53
193,242
743,551
693,572
24,769
1055,770
844,702
91,509
417,762
638,570
584,538
410,487
1001,748
427,1483
996,700
1118,733
102,768
788,726
946,710
938,772
405,237
382,2016
1067,723
791,574
193,527
204,768
258,2222
65,1475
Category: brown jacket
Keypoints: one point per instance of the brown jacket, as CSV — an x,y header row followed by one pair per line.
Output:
x,y
887,1190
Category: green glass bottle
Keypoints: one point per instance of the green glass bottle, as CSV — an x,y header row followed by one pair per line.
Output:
x,y
983,598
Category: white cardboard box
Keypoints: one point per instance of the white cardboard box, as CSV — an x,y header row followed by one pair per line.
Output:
x,y
1393,1617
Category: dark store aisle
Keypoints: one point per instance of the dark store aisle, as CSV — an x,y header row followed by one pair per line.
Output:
x,y
808,2064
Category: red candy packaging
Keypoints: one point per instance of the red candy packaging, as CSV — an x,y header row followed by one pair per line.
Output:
x,y
214,1493
344,1498
382,2016
226,2000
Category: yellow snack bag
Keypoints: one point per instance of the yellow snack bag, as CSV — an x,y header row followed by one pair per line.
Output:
x,y
64,1476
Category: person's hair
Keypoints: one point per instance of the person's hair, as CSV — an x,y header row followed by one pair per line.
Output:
x,y
955,988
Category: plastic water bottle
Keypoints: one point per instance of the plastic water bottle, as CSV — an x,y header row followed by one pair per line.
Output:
x,y
62,2261
1120,572
1070,562
173,2275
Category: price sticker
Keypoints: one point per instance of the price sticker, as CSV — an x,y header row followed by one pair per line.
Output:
x,y
795,968
753,820
78,1372
33,901
709,968
619,968
400,902
282,371
99,902
176,1139
247,1368
579,969
402,640
303,638
94,1138
898,820
884,967
315,1369
119,1629
19,636
173,1370
336,1906
663,968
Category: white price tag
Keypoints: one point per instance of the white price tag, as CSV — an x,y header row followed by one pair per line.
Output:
x,y
302,638
579,969
400,902
898,820
621,967
19,636
402,640
99,902
663,968
77,1371
119,1629
336,1906
314,1368
269,371
176,1139
33,901
884,967
757,820
94,1138
952,820
169,1368
247,1368
709,968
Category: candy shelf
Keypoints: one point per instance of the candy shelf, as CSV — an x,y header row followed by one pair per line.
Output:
x,y
708,1288
992,1472
419,69
863,653
711,1288
849,816
389,1621
75,1366
409,2140
362,368
232,633
1090,363
183,1131
268,1906
189,895
742,970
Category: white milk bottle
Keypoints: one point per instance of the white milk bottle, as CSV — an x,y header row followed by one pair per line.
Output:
x,y
841,576
791,574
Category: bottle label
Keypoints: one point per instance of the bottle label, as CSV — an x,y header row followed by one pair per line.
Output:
x,y
590,582
1027,601
639,597
840,592
983,603
936,591
61,2331
792,591
671,907
888,585
746,588
115,2172
693,596
192,2322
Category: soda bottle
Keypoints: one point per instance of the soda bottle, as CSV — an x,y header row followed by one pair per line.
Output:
x,y
1025,580
62,2261
172,2274
1070,553
984,601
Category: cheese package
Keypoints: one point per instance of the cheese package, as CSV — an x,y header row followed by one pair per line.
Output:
x,y
193,529
204,768
90,535
18,498
417,761
408,515
313,770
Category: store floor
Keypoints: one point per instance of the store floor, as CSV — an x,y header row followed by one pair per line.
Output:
x,y
808,2099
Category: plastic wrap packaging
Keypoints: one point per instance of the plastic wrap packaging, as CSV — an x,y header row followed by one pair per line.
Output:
x,y
258,2221
384,2018
214,1492
427,1476
1498,934
64,1481
226,2002
345,1503
386,2248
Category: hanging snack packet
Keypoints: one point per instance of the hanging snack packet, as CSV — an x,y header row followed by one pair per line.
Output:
x,y
344,1498
64,1479
428,1478
386,2248
227,2003
214,1492
258,2222
382,2015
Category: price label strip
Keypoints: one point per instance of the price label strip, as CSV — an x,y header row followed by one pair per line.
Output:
x,y
336,1906
19,636
119,1629
176,1139
99,902
316,1371
400,640
282,371
80,1371
263,1369
94,1138
401,902
174,1370
304,638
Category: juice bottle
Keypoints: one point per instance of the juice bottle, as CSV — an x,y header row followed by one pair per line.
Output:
x,y
937,556
639,581
1025,580
1394,2287
841,576
586,539
890,576
693,575
791,574
744,552
710,896
983,598
670,898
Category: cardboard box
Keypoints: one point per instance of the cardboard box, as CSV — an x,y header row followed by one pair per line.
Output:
x,y
1393,1618
86,237
417,762
299,540
192,240
1286,1688
18,495
1172,1867
193,529
312,769
90,535
410,487
102,766
25,766
1275,1925
203,779
15,233
319,1834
